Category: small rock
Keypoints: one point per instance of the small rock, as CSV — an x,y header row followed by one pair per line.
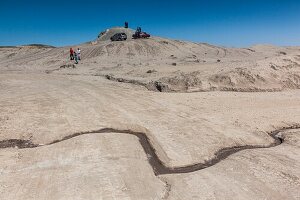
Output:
x,y
68,66
151,71
274,67
282,53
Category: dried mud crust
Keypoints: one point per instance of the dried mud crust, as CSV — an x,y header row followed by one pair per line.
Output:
x,y
159,168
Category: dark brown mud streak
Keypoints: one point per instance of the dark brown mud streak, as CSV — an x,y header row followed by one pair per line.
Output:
x,y
158,166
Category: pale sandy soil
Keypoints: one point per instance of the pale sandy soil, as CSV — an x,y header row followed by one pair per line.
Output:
x,y
42,102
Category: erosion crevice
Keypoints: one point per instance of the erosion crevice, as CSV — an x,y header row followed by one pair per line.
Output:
x,y
159,168
182,86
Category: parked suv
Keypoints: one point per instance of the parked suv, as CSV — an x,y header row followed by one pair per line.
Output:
x,y
119,37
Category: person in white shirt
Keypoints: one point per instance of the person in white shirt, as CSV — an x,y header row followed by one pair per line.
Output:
x,y
78,54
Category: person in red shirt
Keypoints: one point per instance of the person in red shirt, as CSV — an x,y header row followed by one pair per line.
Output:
x,y
71,54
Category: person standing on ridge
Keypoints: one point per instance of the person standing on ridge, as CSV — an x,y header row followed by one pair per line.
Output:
x,y
71,54
78,54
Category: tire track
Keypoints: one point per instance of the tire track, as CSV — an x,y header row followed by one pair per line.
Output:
x,y
159,168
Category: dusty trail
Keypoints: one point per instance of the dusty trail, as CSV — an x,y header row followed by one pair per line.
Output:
x,y
159,168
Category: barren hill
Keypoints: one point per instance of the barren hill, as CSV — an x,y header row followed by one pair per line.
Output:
x,y
168,65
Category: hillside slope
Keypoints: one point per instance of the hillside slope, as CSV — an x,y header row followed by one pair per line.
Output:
x,y
167,65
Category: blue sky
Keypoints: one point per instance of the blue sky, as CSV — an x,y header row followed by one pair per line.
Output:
x,y
238,23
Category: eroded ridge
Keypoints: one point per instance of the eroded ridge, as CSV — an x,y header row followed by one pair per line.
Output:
x,y
159,168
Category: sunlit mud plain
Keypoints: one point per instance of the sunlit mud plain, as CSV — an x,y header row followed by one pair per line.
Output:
x,y
150,119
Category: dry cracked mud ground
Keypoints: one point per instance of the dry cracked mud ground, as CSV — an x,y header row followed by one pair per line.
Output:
x,y
72,133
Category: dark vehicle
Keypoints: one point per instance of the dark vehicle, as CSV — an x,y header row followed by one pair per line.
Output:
x,y
119,37
139,34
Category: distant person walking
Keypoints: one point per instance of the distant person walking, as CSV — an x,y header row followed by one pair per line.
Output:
x,y
76,58
71,54
78,54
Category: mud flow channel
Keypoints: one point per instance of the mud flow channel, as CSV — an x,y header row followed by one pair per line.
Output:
x,y
159,168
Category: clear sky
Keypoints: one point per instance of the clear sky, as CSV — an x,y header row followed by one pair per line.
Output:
x,y
236,23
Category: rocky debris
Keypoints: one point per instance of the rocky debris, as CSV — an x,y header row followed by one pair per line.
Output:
x,y
164,42
250,49
71,66
173,57
11,55
236,78
151,71
181,82
152,86
123,80
161,87
282,53
274,67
